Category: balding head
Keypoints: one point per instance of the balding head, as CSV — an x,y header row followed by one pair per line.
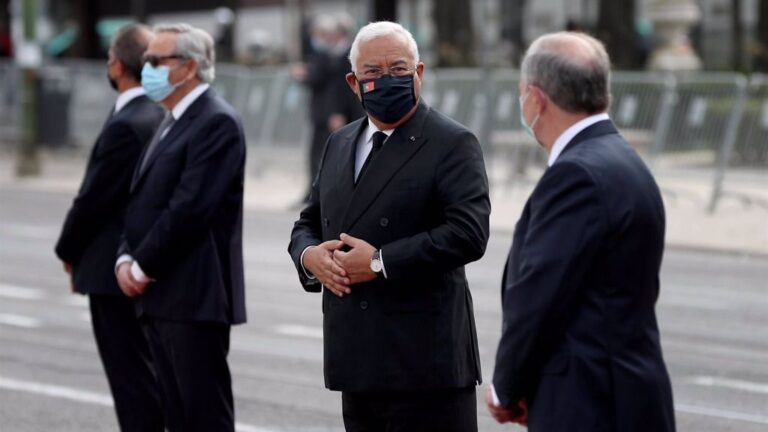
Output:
x,y
572,68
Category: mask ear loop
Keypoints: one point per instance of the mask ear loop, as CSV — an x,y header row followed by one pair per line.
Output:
x,y
362,91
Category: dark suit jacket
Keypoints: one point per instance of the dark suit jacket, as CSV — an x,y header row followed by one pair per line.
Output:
x,y
184,219
424,203
91,232
580,340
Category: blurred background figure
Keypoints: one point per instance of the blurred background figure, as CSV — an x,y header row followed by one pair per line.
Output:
x,y
224,34
345,105
331,103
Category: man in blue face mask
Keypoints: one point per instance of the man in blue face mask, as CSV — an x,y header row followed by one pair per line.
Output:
x,y
399,206
182,256
580,348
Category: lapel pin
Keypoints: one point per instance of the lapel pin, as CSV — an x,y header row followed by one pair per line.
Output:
x,y
413,138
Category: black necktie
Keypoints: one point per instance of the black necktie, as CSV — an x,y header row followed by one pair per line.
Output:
x,y
377,142
164,125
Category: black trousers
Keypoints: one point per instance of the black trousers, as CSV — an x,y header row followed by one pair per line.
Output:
x,y
127,362
195,384
445,410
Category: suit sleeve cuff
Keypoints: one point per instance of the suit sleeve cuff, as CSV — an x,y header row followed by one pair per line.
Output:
x,y
124,258
301,261
383,267
139,274
496,401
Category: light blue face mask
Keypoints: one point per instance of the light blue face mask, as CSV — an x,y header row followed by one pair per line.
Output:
x,y
528,129
156,83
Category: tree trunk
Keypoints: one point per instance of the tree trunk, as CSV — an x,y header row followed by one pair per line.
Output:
x,y
384,10
87,15
737,43
616,29
761,53
139,10
512,13
455,40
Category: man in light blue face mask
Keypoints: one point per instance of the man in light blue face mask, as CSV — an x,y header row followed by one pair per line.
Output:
x,y
182,257
582,275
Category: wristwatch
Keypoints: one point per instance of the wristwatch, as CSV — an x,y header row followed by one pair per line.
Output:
x,y
376,265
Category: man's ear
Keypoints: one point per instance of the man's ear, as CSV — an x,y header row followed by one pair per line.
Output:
x,y
353,84
119,69
420,70
540,99
192,69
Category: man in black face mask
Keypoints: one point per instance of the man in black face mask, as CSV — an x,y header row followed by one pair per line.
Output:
x,y
399,207
91,233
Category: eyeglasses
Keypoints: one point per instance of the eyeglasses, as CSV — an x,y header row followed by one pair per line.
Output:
x,y
395,71
155,60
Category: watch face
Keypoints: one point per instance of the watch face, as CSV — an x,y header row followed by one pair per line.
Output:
x,y
376,266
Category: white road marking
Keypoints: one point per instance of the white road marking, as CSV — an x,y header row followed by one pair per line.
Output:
x,y
687,302
56,391
299,330
32,231
720,413
20,293
85,396
76,300
747,386
19,321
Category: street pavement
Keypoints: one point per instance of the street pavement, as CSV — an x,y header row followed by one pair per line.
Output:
x,y
713,315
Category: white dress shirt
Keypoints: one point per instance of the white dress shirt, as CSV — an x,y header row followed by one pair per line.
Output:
x,y
176,112
570,133
127,96
363,148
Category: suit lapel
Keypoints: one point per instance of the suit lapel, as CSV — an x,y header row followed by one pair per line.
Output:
x,y
399,148
178,127
345,169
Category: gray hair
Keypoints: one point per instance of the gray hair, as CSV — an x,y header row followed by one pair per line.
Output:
x,y
572,68
376,30
196,44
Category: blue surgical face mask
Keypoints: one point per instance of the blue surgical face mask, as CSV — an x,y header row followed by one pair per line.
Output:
x,y
156,82
528,129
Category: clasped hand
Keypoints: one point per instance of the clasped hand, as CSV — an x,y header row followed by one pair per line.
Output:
x,y
336,269
128,284
516,414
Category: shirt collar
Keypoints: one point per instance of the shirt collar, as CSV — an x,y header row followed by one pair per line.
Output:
x,y
372,129
570,133
127,96
187,100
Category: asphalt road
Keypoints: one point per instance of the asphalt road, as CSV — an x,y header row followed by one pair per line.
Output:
x,y
713,314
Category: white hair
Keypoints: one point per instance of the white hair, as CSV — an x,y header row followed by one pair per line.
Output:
x,y
196,44
376,30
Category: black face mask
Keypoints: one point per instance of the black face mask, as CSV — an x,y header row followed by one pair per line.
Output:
x,y
112,82
388,98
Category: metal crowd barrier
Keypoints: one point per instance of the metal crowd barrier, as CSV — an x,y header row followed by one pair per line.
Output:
x,y
711,126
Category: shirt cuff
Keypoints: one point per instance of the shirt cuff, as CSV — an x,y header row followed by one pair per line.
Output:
x,y
138,274
383,268
301,261
495,397
124,258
